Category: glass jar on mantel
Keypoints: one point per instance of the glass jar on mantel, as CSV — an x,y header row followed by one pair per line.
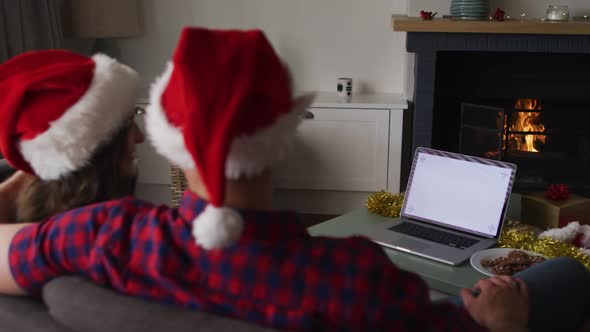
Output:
x,y
558,13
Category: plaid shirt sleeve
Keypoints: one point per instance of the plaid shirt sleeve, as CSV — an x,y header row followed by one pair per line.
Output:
x,y
60,245
286,280
376,295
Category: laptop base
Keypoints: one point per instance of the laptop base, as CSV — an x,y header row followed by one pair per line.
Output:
x,y
447,254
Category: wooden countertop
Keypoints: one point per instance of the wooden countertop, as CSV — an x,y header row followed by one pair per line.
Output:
x,y
416,24
332,100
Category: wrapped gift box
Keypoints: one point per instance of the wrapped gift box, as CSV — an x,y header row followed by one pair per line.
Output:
x,y
540,212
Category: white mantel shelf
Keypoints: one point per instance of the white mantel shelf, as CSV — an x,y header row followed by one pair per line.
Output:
x,y
332,100
373,101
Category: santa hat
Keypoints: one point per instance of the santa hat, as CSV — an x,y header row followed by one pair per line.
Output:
x,y
58,107
574,233
223,106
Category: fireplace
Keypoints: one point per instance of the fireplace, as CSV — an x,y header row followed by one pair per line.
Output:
x,y
524,99
549,141
529,109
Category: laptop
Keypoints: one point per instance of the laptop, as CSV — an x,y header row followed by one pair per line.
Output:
x,y
454,206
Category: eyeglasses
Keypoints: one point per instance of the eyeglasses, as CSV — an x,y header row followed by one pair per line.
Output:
x,y
139,110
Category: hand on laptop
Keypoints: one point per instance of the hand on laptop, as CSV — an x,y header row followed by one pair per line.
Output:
x,y
501,305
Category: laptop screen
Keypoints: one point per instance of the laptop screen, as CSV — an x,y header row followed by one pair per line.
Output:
x,y
462,192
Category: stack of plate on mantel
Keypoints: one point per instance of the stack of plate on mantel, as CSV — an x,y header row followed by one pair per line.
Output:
x,y
470,9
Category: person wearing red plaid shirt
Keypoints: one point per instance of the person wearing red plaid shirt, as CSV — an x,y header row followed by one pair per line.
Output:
x,y
223,112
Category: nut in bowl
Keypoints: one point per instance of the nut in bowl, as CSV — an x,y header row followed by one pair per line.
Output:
x,y
504,261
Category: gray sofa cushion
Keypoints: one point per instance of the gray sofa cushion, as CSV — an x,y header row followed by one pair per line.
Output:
x,y
86,307
26,314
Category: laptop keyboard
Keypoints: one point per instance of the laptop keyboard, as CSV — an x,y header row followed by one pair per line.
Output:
x,y
434,235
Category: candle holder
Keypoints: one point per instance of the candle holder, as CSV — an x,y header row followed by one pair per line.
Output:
x,y
558,13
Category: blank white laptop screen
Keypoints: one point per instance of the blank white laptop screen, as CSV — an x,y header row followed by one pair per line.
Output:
x,y
465,195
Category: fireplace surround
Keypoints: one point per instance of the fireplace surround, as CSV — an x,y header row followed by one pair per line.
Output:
x,y
458,76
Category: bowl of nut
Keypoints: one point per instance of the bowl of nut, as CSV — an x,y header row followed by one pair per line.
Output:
x,y
504,261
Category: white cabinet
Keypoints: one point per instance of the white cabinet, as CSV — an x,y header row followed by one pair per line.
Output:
x,y
338,149
346,150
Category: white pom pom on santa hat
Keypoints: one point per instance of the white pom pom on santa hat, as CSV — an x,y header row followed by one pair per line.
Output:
x,y
585,240
570,233
564,234
217,227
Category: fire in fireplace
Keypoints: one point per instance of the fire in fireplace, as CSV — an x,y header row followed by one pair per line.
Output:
x,y
524,130
549,141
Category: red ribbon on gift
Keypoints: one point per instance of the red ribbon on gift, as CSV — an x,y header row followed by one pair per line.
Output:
x,y
557,192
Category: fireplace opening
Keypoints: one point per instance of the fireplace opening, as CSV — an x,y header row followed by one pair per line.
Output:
x,y
529,109
550,142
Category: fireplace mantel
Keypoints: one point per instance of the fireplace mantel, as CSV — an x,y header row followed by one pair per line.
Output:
x,y
427,45
512,26
462,36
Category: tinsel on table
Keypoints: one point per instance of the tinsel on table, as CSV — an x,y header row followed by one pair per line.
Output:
x,y
386,204
519,236
514,235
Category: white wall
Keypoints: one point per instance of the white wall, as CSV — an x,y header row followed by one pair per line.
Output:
x,y
321,40
532,8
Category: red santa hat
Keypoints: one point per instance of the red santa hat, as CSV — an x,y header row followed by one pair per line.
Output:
x,y
58,107
223,106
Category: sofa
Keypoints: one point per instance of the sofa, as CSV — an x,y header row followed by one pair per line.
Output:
x,y
74,304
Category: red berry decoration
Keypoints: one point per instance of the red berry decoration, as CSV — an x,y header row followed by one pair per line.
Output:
x,y
557,192
427,16
499,15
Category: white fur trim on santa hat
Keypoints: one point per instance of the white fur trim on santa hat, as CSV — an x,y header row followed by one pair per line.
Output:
x,y
217,227
71,140
249,155
166,139
564,234
585,230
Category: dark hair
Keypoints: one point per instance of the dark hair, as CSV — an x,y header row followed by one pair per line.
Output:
x,y
103,179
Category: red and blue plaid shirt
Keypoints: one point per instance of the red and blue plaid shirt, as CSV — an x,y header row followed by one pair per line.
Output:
x,y
276,275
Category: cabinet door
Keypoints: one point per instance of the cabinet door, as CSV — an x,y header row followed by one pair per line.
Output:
x,y
338,149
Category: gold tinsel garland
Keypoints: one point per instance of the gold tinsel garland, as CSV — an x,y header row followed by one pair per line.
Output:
x,y
386,204
514,235
519,236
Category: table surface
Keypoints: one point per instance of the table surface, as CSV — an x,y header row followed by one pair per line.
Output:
x,y
441,277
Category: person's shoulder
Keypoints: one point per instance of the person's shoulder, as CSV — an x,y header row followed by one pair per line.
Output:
x,y
132,202
126,206
128,202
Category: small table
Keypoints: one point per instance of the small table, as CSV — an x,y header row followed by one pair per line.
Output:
x,y
440,277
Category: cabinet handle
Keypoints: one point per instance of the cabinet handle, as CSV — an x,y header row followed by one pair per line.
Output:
x,y
308,115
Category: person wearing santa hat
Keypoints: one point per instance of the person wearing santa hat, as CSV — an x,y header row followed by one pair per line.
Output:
x,y
223,111
67,120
